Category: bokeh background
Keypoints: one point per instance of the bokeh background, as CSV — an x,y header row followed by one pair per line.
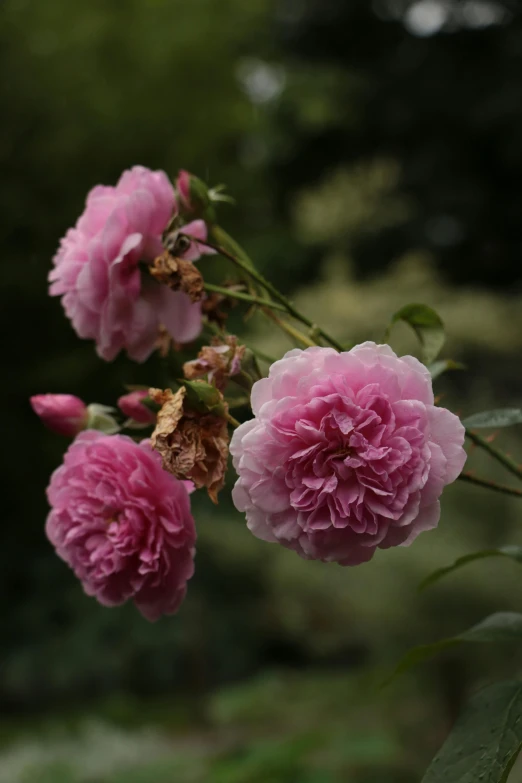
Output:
x,y
375,153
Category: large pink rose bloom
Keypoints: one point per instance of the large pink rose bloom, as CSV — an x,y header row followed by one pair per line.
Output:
x,y
122,523
97,274
346,453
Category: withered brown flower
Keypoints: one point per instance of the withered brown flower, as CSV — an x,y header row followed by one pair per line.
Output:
x,y
219,361
178,274
215,306
192,445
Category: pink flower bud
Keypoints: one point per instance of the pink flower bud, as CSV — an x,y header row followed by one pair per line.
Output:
x,y
131,405
183,188
193,197
62,413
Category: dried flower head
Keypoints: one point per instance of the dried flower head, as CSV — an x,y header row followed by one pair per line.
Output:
x,y
218,361
216,306
178,274
192,445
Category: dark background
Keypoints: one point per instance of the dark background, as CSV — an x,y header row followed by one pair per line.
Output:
x,y
375,153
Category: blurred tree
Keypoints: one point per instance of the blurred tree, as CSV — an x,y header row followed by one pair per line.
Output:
x,y
435,84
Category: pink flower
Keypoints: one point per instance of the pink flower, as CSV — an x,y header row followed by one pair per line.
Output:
x,y
96,269
346,453
62,413
131,405
122,523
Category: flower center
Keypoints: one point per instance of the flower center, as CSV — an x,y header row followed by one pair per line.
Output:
x,y
344,451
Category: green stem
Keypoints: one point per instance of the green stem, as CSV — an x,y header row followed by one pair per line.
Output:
x,y
272,290
290,330
234,422
497,454
228,243
224,240
244,297
487,484
263,356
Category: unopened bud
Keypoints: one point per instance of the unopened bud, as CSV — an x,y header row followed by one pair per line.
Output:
x,y
131,405
61,413
194,199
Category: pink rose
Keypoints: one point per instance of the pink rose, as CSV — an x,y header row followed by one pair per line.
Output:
x,y
347,452
131,405
62,413
96,269
122,523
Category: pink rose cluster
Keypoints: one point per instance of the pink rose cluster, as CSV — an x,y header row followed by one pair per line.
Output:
x,y
347,453
122,523
97,268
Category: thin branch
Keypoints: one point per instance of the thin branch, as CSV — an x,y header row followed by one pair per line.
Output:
x,y
497,454
279,297
243,297
234,422
289,329
487,484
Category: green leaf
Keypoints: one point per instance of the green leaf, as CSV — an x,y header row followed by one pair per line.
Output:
x,y
502,417
499,627
442,366
514,552
204,397
426,324
485,741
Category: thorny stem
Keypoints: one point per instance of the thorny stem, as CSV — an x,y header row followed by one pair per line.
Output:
x,y
244,297
272,290
487,484
497,454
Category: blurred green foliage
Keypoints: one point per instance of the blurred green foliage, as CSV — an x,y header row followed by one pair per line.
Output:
x,y
372,166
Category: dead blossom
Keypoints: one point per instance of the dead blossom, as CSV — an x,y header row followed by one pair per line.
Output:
x,y
216,306
218,361
178,274
192,445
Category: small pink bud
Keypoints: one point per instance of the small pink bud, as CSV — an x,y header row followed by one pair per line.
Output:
x,y
62,413
131,405
183,188
193,197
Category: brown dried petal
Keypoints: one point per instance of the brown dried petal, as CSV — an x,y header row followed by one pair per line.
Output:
x,y
219,361
178,274
209,362
192,446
